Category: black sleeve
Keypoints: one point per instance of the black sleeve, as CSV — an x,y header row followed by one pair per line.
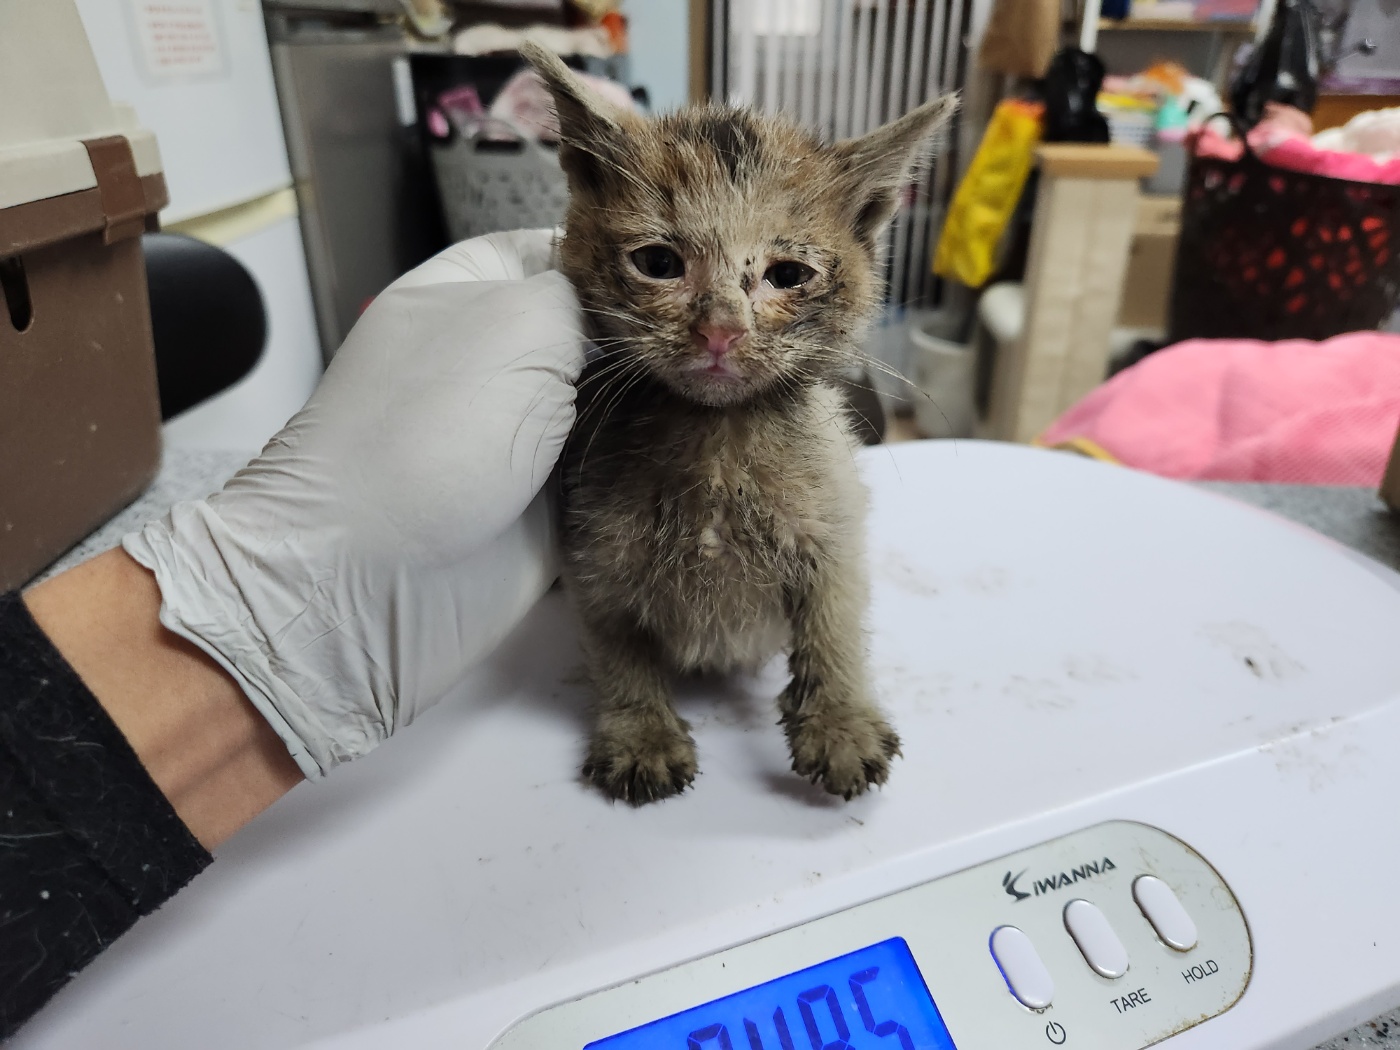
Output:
x,y
88,844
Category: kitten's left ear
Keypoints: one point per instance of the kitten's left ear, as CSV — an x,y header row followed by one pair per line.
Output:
x,y
880,162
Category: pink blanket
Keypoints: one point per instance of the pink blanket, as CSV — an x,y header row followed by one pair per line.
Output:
x,y
1299,412
1281,142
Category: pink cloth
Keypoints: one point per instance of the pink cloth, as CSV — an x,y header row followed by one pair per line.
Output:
x,y
1299,154
1284,146
1299,412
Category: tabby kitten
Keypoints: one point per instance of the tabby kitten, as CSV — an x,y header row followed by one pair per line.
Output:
x,y
713,516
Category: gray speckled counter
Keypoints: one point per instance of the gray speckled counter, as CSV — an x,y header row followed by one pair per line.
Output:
x,y
184,474
1383,1031
1354,517
1351,516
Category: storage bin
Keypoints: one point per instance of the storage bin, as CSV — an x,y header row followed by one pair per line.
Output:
x,y
79,184
945,373
490,184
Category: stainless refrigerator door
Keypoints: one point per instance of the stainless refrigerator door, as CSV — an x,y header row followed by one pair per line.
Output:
x,y
362,209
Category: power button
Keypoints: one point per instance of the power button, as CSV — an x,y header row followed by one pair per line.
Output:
x,y
1030,982
1055,1033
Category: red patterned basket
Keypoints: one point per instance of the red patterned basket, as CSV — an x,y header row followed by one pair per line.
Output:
x,y
1268,253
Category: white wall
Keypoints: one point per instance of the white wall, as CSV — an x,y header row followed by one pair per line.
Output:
x,y
659,38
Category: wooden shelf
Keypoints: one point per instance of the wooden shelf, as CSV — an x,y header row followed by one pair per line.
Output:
x,y
1173,25
1078,160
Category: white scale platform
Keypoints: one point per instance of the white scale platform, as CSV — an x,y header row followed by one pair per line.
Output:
x,y
1068,649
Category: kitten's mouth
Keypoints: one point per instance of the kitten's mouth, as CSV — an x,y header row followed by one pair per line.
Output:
x,y
713,381
721,371
715,369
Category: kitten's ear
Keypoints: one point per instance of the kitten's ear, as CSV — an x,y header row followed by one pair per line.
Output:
x,y
881,161
592,130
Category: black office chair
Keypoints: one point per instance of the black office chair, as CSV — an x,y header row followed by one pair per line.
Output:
x,y
207,319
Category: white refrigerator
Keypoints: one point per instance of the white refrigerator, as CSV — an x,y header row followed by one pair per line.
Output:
x,y
199,75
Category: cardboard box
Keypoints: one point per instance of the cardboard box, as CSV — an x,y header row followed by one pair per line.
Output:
x,y
79,183
1147,285
1390,485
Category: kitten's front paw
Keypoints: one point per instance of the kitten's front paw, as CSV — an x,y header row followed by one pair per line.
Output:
x,y
846,749
642,763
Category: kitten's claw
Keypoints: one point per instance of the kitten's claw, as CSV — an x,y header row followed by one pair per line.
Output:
x,y
847,751
642,766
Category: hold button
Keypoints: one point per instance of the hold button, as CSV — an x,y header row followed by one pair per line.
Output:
x,y
1030,982
1164,912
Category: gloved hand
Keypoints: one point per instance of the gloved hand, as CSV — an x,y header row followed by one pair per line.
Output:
x,y
396,529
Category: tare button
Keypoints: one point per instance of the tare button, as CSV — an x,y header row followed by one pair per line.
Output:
x,y
1030,982
1097,941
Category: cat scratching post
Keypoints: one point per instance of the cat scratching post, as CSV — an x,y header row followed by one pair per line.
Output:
x,y
1086,211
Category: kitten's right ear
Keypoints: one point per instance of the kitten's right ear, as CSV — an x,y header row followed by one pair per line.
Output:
x,y
591,129
880,162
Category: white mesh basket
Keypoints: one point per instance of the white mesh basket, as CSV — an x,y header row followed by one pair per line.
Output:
x,y
490,185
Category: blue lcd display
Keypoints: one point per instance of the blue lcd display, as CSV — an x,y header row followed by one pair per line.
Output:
x,y
871,999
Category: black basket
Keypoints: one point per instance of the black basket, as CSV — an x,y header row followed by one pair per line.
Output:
x,y
1267,253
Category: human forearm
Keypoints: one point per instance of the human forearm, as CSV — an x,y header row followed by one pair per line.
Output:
x,y
88,843
206,747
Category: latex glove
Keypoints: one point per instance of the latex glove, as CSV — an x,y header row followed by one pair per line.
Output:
x,y
395,530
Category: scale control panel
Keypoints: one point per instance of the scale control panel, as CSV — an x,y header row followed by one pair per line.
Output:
x,y
1112,938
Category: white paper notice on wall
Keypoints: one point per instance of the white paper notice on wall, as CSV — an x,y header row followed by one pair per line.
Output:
x,y
177,39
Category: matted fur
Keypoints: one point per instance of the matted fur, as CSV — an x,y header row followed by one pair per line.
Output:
x,y
712,510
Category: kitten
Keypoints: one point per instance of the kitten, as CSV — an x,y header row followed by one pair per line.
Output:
x,y
713,515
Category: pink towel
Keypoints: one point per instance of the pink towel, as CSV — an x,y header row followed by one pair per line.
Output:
x,y
1235,410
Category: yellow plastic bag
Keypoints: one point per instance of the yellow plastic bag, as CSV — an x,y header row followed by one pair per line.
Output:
x,y
987,195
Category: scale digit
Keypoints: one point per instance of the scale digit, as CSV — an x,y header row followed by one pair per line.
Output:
x,y
871,999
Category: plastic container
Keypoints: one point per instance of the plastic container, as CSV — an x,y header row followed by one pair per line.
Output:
x,y
886,346
79,184
1129,127
1172,124
487,184
1172,162
945,373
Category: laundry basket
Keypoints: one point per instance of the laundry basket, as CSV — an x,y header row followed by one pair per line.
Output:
x,y
1268,253
488,183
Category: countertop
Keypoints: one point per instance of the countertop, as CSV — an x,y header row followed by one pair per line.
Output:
x,y
1351,516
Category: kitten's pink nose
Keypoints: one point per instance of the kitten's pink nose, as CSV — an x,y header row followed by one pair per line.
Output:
x,y
718,339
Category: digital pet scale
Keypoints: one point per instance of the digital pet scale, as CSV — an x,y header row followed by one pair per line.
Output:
x,y
1148,795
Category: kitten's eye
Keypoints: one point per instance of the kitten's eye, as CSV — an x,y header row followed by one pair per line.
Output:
x,y
658,262
789,274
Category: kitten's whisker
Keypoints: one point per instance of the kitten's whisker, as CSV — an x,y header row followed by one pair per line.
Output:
x,y
633,320
913,387
621,376
861,358
606,372
612,403
524,418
